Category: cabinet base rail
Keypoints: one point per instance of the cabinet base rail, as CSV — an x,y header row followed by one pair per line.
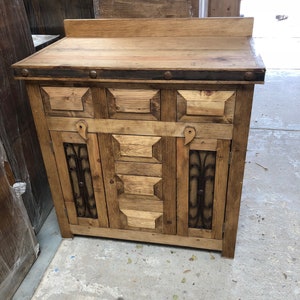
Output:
x,y
148,237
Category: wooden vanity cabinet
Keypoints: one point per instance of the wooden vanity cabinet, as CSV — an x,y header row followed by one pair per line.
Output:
x,y
144,130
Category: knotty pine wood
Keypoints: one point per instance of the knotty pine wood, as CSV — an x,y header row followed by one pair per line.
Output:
x,y
109,179
184,27
144,128
146,53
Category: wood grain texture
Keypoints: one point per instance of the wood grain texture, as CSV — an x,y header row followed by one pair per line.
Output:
x,y
68,101
225,8
109,178
159,27
46,17
17,239
169,194
182,188
236,170
138,168
149,237
48,156
64,176
148,53
17,128
143,128
146,8
208,103
220,188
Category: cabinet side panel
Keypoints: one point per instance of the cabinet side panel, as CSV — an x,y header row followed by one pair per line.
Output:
x,y
236,171
48,156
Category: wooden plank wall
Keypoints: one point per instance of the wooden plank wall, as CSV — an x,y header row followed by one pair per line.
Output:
x,y
146,8
46,17
17,130
17,241
224,8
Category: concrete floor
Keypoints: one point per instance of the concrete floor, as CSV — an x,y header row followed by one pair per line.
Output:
x,y
267,261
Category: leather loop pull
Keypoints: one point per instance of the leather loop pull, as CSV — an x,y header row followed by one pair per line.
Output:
x,y
189,135
82,129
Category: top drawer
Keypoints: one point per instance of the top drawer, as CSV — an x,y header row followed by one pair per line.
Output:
x,y
68,101
138,104
215,106
205,106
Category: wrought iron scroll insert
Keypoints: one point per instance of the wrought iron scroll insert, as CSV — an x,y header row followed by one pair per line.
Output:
x,y
81,179
202,166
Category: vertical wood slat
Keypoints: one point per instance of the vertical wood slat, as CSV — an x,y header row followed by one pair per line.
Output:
x,y
169,184
62,169
168,114
97,177
182,188
100,103
109,179
221,173
236,170
48,156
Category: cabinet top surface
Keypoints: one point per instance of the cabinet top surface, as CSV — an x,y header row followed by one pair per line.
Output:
x,y
158,50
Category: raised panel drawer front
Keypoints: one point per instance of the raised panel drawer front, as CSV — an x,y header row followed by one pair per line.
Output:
x,y
68,101
205,106
134,104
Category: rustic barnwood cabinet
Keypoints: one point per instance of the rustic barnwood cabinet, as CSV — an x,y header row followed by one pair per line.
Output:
x,y
143,126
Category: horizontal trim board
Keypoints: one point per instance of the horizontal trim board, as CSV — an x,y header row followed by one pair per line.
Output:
x,y
143,128
132,75
148,237
148,27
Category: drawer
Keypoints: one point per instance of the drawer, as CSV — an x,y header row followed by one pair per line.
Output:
x,y
205,106
134,104
68,101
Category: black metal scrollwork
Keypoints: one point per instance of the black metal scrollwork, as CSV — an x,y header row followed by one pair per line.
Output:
x,y
201,188
81,179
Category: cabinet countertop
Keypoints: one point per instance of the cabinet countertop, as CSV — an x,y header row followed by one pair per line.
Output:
x,y
186,57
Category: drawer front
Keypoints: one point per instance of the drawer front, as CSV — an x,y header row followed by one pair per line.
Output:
x,y
205,106
137,104
68,101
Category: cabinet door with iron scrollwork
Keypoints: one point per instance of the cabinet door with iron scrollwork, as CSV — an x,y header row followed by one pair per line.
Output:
x,y
202,170
79,167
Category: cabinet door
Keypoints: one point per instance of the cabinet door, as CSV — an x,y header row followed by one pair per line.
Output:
x,y
79,167
140,181
202,170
